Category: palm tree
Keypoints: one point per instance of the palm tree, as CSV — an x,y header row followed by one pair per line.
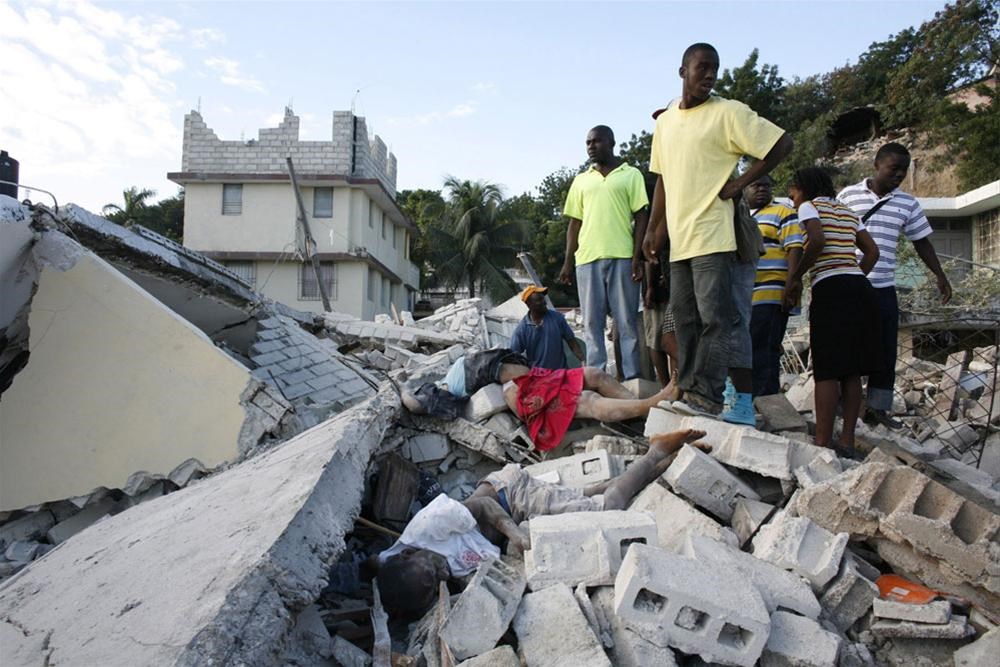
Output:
x,y
135,201
476,239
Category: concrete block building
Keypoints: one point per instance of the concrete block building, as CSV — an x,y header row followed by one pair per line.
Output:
x,y
240,209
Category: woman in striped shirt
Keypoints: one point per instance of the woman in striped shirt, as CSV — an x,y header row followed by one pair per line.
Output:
x,y
843,314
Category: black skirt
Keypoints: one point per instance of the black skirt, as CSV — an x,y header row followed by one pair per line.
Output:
x,y
844,328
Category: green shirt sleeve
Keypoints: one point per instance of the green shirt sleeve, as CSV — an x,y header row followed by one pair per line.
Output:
x,y
637,192
574,202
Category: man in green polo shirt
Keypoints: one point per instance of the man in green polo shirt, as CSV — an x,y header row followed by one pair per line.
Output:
x,y
606,207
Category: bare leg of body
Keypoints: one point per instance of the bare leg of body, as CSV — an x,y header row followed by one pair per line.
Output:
x,y
592,405
604,384
827,396
850,395
668,342
662,449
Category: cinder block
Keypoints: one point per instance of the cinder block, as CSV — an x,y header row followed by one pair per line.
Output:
x,y
501,656
426,447
823,466
980,651
802,395
700,478
662,420
503,423
485,403
878,499
957,628
758,452
583,547
799,545
778,588
716,430
799,642
849,596
626,647
748,515
779,414
484,610
676,519
578,471
676,601
552,631
938,611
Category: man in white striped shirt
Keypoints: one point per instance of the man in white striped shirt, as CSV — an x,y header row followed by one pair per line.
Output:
x,y
897,212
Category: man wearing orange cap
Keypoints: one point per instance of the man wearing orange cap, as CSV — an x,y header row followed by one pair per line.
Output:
x,y
540,335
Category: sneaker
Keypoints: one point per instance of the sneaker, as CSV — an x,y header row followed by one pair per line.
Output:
x,y
875,417
741,411
694,405
728,395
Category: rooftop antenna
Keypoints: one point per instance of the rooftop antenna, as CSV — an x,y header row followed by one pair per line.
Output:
x,y
354,100
199,104
291,104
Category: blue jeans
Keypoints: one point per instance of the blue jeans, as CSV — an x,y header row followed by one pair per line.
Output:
x,y
701,299
767,329
605,285
741,346
880,385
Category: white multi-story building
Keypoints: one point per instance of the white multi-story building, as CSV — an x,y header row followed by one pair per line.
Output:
x,y
240,209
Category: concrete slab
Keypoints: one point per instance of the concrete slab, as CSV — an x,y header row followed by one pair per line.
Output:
x,y
552,631
676,518
980,651
501,656
957,628
938,611
799,642
484,610
583,547
762,453
243,551
577,471
778,588
779,414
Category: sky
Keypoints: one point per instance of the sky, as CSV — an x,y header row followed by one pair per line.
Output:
x,y
93,95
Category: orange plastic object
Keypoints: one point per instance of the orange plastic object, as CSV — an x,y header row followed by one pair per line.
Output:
x,y
895,588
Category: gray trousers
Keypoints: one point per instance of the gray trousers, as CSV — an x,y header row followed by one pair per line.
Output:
x,y
701,299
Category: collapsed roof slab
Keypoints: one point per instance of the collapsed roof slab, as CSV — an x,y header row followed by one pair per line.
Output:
x,y
115,382
211,574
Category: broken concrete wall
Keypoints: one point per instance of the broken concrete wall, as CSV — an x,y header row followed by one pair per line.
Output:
x,y
116,382
211,574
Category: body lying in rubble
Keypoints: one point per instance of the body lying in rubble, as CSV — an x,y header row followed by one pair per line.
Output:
x,y
546,400
448,539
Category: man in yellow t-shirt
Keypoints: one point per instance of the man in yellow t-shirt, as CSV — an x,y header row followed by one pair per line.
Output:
x,y
697,144
606,207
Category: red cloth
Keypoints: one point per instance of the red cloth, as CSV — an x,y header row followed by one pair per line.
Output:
x,y
546,402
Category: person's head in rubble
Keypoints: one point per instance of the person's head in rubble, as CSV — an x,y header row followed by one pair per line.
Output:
x,y
408,582
534,297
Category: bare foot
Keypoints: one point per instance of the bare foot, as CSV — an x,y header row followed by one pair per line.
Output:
x,y
668,443
673,391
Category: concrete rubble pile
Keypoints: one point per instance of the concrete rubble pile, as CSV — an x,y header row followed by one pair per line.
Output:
x,y
767,550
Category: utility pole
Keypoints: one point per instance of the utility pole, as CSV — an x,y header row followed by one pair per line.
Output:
x,y
307,233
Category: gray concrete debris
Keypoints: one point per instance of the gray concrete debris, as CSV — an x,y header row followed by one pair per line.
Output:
x,y
347,654
501,656
24,551
937,611
89,515
552,631
484,610
627,647
187,472
979,652
425,447
849,596
28,527
799,642
779,414
243,551
748,515
957,628
140,482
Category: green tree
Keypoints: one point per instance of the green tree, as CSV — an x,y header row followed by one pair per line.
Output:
x,y
865,82
425,208
969,134
762,89
549,235
804,100
165,217
135,201
476,240
958,46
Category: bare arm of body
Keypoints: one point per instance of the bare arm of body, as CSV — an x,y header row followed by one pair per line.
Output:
x,y
925,249
641,220
869,251
759,168
817,240
572,242
494,523
655,241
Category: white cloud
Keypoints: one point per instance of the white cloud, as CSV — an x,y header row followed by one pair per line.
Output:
x,y
484,87
463,109
457,111
89,105
231,75
202,38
